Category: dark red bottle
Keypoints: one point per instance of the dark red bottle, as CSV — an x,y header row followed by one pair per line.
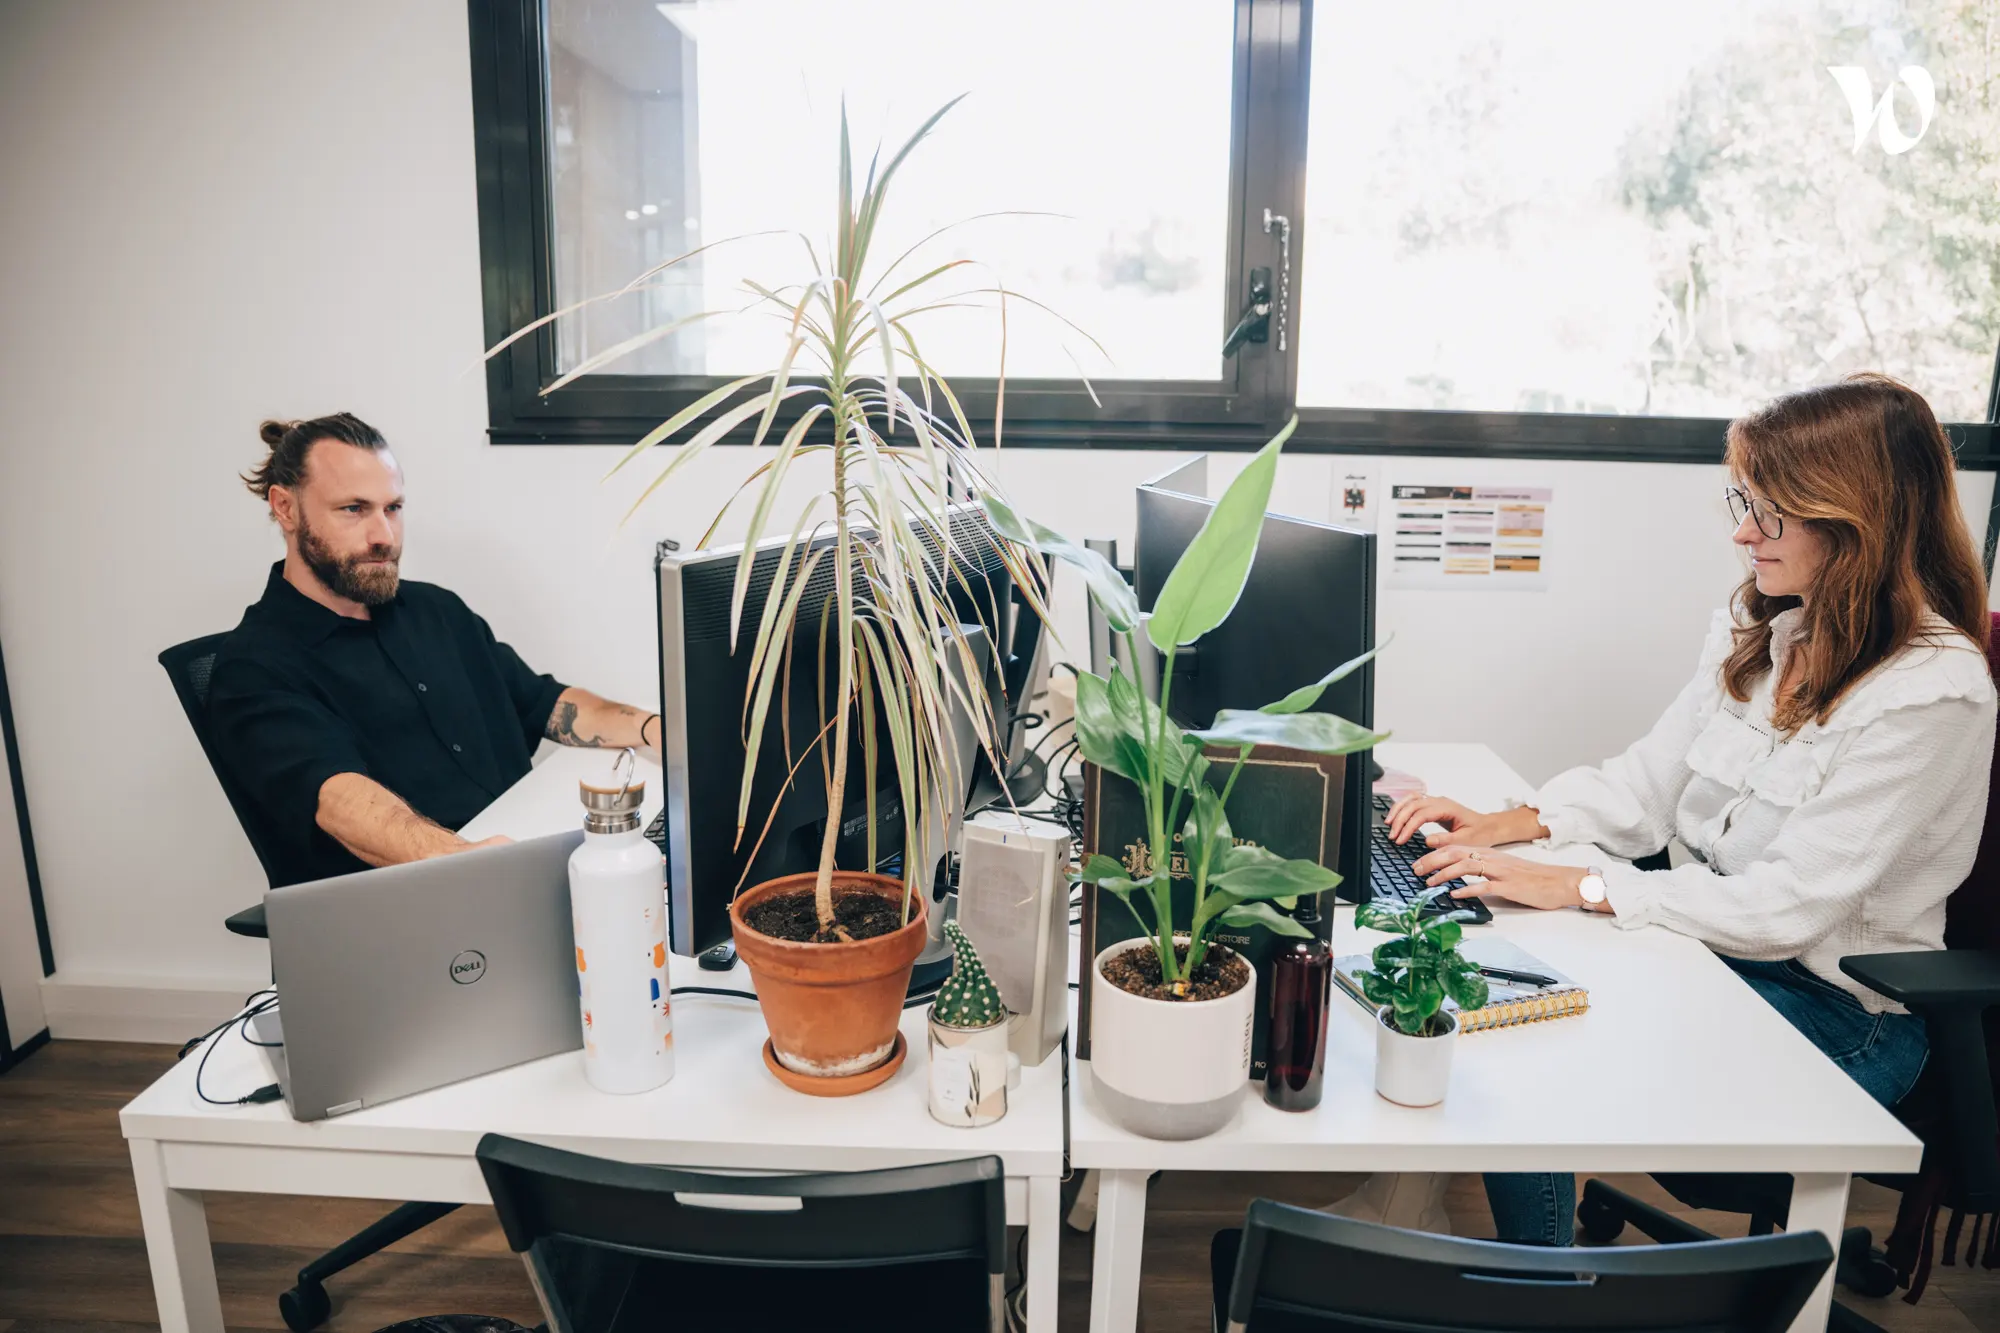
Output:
x,y
1301,972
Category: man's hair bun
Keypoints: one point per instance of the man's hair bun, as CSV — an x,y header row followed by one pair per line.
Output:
x,y
291,441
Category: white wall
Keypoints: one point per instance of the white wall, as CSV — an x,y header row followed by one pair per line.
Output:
x,y
213,213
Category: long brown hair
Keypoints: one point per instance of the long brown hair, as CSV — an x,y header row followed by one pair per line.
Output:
x,y
1865,465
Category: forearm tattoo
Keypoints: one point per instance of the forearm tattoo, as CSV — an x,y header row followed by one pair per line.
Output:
x,y
562,727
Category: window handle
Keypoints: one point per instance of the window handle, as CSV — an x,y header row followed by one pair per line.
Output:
x,y
1254,325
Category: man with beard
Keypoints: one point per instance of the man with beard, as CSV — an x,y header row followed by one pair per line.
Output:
x,y
368,716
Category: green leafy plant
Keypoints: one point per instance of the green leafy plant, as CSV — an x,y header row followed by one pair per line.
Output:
x,y
1415,971
1122,731
848,347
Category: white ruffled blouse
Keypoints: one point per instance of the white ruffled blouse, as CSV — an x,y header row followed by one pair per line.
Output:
x,y
1843,838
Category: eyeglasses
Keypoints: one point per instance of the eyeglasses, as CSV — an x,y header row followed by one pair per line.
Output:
x,y
1770,521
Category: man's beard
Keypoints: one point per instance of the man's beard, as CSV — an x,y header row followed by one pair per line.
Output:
x,y
349,577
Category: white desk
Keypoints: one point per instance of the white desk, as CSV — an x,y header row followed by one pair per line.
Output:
x,y
1678,1066
723,1110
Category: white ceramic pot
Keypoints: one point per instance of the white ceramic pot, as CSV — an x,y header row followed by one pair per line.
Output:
x,y
1167,1069
1412,1071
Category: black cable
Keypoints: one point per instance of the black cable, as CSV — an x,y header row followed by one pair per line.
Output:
x,y
193,1042
711,990
1021,1278
270,1092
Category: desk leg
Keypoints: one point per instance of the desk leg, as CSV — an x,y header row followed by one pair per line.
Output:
x,y
1044,1251
176,1228
1116,1248
1819,1203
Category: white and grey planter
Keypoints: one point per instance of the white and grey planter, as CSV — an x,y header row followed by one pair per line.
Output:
x,y
1412,1071
1168,1069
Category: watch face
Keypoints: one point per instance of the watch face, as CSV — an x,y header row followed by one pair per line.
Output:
x,y
1592,888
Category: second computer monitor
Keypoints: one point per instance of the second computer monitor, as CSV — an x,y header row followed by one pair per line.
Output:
x,y
1307,606
702,689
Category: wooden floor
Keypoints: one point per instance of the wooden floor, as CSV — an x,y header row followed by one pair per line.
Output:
x,y
71,1258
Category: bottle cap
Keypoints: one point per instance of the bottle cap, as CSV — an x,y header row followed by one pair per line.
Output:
x,y
622,795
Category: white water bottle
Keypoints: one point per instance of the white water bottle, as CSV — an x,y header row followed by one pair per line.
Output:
x,y
617,898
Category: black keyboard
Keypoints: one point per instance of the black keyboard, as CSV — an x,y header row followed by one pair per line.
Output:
x,y
1390,876
656,832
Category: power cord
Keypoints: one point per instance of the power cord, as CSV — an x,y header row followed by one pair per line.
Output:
x,y
252,1006
1015,1298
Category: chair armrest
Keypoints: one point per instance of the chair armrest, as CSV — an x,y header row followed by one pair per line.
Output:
x,y
250,922
1952,989
1929,977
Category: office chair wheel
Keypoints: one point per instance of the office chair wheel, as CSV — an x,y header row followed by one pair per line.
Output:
x,y
305,1307
1599,1222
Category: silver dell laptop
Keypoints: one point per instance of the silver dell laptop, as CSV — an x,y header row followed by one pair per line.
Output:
x,y
398,980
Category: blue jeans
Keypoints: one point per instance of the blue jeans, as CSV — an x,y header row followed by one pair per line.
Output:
x,y
1884,1053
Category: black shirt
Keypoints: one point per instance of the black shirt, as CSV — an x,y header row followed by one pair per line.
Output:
x,y
420,697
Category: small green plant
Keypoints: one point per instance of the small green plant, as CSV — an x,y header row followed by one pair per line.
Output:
x,y
1123,732
1414,972
968,998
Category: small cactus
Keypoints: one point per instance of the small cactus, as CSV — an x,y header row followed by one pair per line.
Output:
x,y
968,998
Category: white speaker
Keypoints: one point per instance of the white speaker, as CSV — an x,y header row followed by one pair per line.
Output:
x,y
1013,904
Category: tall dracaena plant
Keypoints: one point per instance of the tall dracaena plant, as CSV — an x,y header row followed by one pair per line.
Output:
x,y
903,664
1122,731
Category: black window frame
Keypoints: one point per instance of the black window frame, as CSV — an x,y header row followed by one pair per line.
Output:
x,y
509,90
1273,44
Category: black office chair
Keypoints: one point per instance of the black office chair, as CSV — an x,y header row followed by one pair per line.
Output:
x,y
1290,1270
306,1306
1951,1108
617,1248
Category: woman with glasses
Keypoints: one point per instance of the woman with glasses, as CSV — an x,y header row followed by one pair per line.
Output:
x,y
1827,766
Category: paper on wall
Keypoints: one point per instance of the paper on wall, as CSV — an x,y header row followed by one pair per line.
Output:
x,y
1478,537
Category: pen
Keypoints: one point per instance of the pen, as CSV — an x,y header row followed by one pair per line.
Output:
x,y
1523,978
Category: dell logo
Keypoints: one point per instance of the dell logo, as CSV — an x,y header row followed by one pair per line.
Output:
x,y
1868,113
468,967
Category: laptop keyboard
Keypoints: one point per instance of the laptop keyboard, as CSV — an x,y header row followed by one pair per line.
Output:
x,y
656,832
1390,876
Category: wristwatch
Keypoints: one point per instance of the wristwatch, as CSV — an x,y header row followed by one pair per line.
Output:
x,y
1591,887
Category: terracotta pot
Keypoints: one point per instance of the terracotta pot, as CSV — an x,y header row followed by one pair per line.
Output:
x,y
832,1009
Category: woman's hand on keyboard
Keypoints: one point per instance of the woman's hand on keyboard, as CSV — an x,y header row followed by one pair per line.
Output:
x,y
1530,883
1464,827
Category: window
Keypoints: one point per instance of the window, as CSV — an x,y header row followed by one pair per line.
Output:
x,y
1568,206
679,124
1552,228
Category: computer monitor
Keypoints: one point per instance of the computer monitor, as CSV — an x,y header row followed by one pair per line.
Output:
x,y
703,717
1022,679
1307,606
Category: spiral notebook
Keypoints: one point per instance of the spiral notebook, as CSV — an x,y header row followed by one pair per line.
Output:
x,y
1507,1003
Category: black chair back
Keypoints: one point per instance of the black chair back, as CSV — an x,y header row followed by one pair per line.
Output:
x,y
190,665
614,1247
1296,1271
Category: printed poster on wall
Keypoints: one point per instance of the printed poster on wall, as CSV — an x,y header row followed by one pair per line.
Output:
x,y
1476,537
